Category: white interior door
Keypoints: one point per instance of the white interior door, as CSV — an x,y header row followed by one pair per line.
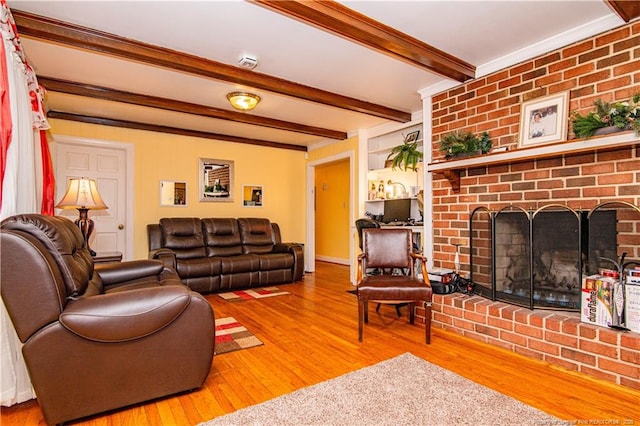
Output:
x,y
108,166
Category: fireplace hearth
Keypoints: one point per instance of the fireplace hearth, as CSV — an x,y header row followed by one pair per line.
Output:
x,y
538,259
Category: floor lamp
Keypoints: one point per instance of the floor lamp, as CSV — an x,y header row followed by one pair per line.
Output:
x,y
82,194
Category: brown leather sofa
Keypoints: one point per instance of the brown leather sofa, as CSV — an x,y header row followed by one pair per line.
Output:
x,y
101,338
225,254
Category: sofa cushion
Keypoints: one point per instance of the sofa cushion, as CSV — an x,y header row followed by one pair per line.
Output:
x,y
256,235
184,236
222,237
270,262
237,264
199,267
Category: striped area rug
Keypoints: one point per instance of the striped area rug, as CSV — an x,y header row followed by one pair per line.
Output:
x,y
232,336
256,293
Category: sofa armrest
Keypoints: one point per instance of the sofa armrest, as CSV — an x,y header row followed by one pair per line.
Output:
x,y
124,316
116,273
297,250
286,247
167,256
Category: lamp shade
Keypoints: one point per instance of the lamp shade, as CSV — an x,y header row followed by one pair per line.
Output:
x,y
82,193
243,101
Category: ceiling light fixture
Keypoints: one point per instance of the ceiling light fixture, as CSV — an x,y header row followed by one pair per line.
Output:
x,y
243,101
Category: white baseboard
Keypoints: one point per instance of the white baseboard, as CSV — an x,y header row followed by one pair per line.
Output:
x,y
329,259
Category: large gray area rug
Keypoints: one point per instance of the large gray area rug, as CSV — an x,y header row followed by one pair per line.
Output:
x,y
405,390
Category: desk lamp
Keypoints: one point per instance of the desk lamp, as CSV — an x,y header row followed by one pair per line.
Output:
x,y
82,194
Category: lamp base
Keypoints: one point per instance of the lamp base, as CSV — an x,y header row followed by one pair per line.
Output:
x,y
86,227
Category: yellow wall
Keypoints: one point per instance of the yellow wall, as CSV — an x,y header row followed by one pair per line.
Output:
x,y
159,156
332,211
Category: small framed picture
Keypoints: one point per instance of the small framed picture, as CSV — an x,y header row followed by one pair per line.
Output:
x,y
544,120
252,195
412,137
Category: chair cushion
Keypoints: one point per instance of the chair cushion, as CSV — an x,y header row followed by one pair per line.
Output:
x,y
393,287
387,248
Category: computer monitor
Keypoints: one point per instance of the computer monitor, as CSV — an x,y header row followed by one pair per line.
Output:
x,y
397,210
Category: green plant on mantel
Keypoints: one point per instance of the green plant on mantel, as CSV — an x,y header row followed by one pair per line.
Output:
x,y
621,115
464,143
405,156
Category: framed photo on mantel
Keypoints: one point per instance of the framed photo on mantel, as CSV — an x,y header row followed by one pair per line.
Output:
x,y
544,120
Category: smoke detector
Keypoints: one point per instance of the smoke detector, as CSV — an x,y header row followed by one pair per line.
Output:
x,y
248,62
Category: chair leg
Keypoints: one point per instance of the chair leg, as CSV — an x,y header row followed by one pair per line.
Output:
x,y
398,309
360,319
427,322
412,312
366,311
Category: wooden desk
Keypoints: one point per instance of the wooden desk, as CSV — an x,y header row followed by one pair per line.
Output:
x,y
107,257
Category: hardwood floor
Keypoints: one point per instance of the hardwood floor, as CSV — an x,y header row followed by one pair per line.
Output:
x,y
310,336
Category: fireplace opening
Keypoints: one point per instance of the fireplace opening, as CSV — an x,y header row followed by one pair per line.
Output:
x,y
538,258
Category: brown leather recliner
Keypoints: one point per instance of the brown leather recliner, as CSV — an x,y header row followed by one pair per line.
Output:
x,y
103,338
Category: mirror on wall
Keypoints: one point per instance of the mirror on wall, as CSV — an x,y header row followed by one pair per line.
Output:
x,y
252,195
173,193
216,180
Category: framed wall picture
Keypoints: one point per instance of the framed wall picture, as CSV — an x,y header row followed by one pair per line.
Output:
x,y
544,120
216,180
412,137
252,195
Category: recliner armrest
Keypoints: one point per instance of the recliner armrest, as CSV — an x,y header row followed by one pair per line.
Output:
x,y
116,273
120,317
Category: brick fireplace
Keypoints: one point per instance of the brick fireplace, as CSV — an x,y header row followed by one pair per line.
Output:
x,y
603,67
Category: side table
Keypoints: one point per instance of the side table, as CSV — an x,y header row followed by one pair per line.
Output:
x,y
107,257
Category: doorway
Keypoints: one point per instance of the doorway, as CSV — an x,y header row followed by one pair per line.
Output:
x,y
310,247
111,165
332,212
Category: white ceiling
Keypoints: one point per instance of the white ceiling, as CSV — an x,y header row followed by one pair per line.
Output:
x,y
487,34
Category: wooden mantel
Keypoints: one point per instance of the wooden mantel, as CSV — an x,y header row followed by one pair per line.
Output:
x,y
451,168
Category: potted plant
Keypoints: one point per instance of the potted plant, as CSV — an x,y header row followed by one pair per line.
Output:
x,y
464,144
405,156
608,118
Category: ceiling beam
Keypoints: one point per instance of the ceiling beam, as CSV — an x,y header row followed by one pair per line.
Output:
x,y
627,10
51,30
337,19
172,130
99,92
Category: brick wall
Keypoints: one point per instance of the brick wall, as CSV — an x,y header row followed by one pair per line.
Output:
x,y
604,67
556,337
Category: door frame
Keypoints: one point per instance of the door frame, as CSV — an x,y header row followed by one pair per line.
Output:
x,y
310,247
129,178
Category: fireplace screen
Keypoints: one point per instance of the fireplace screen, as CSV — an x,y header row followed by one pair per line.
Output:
x,y
538,258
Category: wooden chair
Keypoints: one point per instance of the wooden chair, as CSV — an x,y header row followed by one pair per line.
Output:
x,y
366,223
391,249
